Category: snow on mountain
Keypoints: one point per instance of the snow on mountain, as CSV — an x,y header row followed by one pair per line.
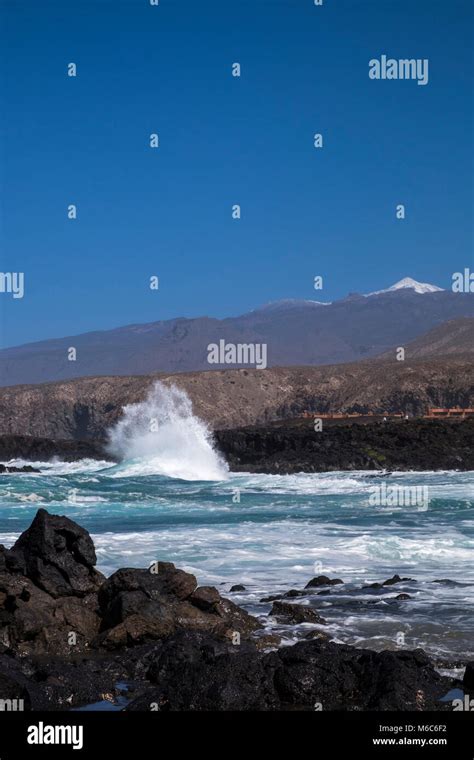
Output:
x,y
411,284
286,303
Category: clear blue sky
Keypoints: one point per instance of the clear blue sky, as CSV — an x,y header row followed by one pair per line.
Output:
x,y
223,140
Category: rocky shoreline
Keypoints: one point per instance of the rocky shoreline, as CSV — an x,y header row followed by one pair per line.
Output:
x,y
152,639
294,446
44,449
401,445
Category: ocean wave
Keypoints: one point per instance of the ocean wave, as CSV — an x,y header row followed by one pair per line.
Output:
x,y
58,466
162,436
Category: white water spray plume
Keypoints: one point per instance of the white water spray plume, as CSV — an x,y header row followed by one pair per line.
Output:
x,y
162,436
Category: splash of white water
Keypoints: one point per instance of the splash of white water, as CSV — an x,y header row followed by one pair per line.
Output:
x,y
162,436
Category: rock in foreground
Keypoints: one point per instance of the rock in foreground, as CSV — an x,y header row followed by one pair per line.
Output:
x,y
196,672
68,636
53,600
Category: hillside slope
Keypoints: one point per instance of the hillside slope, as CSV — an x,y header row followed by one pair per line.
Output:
x,y
452,338
85,408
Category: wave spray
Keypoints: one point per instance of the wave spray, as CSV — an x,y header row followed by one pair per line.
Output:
x,y
162,436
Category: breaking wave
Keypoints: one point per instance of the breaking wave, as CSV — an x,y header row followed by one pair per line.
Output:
x,y
162,436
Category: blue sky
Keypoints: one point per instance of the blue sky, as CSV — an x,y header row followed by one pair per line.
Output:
x,y
226,140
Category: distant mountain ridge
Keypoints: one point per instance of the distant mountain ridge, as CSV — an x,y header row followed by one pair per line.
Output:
x,y
453,338
296,332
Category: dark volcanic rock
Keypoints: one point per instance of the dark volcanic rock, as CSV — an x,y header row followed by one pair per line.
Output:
x,y
468,679
206,598
267,641
146,585
196,672
26,468
237,587
295,613
53,600
293,446
280,447
390,582
342,678
272,597
32,621
58,556
323,580
395,579
315,634
63,682
141,605
48,588
44,449
13,687
295,593
175,582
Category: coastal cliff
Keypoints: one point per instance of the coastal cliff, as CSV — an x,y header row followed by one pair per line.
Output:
x,y
86,408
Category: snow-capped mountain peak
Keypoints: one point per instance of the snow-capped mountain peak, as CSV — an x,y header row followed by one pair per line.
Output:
x,y
409,283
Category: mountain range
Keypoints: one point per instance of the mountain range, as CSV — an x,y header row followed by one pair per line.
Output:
x,y
296,332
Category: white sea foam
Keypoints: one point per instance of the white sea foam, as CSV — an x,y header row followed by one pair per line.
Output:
x,y
60,467
302,483
284,530
162,436
288,550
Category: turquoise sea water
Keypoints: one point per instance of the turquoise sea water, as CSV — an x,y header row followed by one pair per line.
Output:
x,y
274,533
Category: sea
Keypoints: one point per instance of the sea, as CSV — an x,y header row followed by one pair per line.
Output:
x,y
170,496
